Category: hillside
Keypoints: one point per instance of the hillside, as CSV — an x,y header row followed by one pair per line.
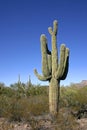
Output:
x,y
81,84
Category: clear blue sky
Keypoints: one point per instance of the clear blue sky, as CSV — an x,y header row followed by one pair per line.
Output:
x,y
21,24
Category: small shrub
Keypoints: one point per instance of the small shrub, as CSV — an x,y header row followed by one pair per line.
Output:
x,y
65,120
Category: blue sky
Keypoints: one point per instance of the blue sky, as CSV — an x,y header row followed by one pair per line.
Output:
x,y
21,24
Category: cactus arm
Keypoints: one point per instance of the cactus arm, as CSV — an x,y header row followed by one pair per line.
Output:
x,y
66,65
44,50
60,69
50,30
55,27
53,33
42,78
50,63
49,60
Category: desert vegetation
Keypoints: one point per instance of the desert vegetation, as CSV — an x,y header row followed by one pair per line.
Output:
x,y
29,103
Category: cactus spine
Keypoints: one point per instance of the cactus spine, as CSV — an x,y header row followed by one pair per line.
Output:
x,y
53,69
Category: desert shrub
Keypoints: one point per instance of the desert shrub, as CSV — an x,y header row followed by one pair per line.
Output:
x,y
73,96
4,105
16,110
18,105
65,120
7,91
67,97
23,108
81,96
39,105
36,90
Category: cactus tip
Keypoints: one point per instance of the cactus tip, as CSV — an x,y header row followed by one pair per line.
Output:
x,y
43,37
62,47
55,21
67,50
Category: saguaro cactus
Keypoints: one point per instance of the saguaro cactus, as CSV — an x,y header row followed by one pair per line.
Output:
x,y
53,69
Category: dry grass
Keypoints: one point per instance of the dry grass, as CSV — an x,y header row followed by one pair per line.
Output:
x,y
20,107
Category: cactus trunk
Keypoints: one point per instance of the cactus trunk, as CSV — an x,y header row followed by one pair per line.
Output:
x,y
54,92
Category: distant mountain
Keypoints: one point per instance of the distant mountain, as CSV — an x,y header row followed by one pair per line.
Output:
x,y
82,83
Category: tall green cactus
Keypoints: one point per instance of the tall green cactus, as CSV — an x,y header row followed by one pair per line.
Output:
x,y
53,69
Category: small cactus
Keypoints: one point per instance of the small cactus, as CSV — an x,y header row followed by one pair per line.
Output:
x,y
53,70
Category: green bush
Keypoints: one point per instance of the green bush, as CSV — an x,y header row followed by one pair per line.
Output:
x,y
16,106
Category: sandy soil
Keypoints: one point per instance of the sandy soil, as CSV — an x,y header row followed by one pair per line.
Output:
x,y
36,125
